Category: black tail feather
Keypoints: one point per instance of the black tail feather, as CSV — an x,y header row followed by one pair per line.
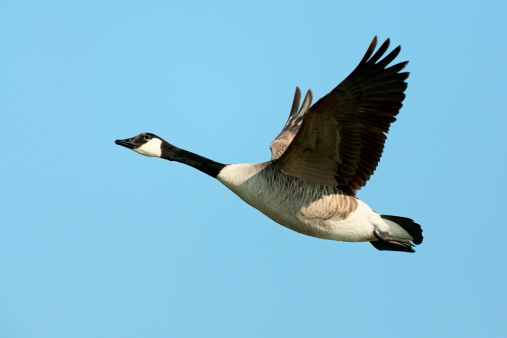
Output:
x,y
409,225
388,242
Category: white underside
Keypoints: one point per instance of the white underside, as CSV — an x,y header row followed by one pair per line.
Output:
x,y
293,207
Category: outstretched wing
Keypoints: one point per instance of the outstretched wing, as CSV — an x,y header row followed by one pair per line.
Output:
x,y
342,136
282,141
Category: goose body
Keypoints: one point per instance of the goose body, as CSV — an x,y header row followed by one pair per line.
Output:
x,y
308,208
324,154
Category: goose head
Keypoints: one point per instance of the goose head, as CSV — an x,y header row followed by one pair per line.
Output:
x,y
151,145
146,144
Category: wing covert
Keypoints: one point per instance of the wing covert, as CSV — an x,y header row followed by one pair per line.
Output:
x,y
289,131
341,138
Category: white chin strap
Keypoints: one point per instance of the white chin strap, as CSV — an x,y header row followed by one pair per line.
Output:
x,y
152,148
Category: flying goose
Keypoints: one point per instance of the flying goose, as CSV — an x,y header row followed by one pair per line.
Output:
x,y
323,155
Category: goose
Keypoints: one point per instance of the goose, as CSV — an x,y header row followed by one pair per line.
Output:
x,y
324,154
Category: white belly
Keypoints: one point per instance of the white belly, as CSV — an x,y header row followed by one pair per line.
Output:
x,y
307,208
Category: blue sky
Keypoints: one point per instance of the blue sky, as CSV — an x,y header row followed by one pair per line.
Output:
x,y
97,241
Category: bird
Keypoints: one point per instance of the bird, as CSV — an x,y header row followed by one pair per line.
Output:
x,y
324,154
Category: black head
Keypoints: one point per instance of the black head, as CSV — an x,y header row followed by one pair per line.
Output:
x,y
146,144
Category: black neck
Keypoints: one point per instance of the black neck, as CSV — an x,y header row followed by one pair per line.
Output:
x,y
207,166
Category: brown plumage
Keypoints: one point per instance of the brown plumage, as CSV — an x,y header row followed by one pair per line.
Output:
x,y
282,141
340,140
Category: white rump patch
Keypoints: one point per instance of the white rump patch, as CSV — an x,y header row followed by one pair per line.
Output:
x,y
152,148
396,230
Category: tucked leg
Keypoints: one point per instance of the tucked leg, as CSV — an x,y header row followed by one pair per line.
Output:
x,y
388,242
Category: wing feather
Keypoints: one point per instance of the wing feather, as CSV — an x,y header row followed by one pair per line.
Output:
x,y
289,131
341,138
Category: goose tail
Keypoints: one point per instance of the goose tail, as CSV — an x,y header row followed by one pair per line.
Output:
x,y
398,229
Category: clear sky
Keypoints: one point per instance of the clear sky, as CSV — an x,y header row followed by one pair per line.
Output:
x,y
97,241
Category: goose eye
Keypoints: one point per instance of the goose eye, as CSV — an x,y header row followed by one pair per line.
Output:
x,y
147,137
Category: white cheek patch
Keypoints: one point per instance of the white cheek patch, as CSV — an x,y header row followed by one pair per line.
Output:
x,y
152,148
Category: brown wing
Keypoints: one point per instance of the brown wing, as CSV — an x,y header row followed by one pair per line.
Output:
x,y
282,141
342,136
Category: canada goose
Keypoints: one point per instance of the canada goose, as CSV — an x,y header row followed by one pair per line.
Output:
x,y
323,155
